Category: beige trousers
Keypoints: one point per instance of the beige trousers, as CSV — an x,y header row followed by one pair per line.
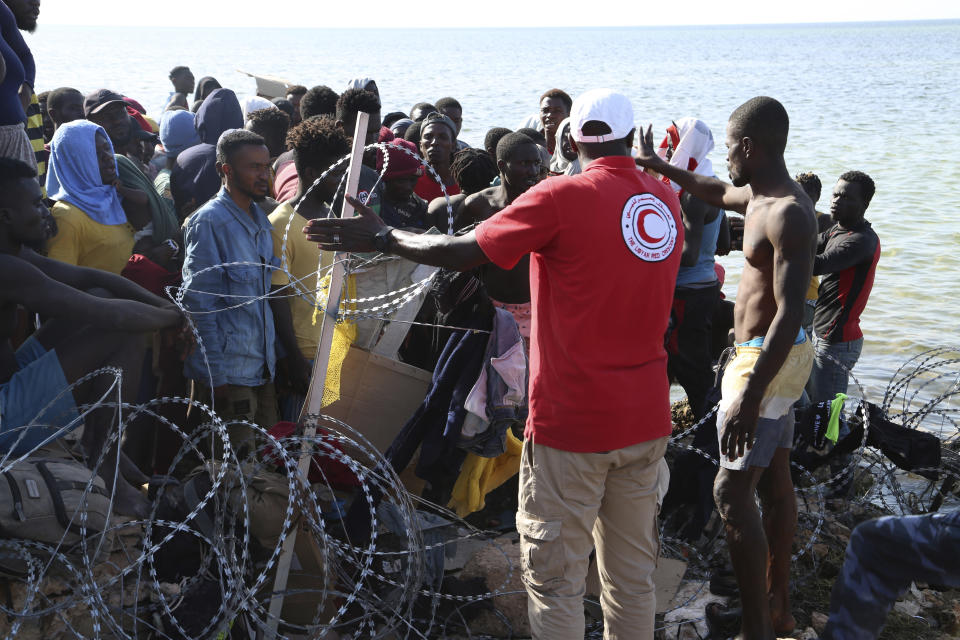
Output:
x,y
571,503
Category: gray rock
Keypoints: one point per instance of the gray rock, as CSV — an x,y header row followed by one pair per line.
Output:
x,y
499,564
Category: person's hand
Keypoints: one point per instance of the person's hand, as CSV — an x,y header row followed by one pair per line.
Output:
x,y
172,316
346,234
178,338
185,340
161,254
646,153
116,184
740,427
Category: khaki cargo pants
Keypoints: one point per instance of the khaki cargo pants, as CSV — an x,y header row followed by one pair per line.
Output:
x,y
573,502
253,404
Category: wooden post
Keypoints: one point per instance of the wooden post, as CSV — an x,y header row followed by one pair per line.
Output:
x,y
318,381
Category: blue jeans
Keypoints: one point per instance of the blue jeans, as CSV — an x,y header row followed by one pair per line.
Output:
x,y
36,405
884,556
828,378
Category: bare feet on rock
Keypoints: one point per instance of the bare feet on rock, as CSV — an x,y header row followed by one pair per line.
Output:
x,y
783,621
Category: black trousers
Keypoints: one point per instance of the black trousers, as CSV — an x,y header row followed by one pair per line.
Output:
x,y
688,343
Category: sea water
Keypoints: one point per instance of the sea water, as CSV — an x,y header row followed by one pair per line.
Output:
x,y
880,98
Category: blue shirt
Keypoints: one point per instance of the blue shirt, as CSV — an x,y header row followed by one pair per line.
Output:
x,y
231,314
703,274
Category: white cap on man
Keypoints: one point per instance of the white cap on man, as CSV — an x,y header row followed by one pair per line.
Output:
x,y
601,105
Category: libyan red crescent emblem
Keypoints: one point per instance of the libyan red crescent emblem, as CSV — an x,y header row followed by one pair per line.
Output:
x,y
648,227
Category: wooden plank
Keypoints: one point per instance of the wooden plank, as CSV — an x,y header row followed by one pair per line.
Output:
x,y
314,399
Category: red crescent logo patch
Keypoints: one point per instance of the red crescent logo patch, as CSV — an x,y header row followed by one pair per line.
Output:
x,y
648,227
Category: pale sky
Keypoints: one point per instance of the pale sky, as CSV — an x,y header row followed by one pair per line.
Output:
x,y
482,13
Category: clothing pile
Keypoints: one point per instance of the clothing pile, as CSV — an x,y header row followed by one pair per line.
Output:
x,y
466,428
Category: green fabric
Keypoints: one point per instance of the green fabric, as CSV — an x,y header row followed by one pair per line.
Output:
x,y
833,427
161,211
162,183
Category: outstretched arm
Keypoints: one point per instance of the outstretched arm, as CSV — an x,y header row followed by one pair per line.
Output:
x,y
791,231
25,284
710,190
460,253
84,278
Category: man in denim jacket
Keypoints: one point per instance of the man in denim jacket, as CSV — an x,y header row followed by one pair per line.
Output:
x,y
226,272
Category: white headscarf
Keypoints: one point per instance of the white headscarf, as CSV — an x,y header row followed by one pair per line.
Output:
x,y
558,163
692,141
358,83
255,103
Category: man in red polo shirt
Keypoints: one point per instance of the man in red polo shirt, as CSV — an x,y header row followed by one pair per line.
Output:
x,y
605,248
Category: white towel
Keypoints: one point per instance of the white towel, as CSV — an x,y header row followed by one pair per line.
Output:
x,y
692,141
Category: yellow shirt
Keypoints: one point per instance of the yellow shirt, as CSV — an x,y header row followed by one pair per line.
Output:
x,y
302,259
86,243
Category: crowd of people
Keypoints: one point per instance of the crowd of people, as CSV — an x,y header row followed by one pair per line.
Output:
x,y
600,244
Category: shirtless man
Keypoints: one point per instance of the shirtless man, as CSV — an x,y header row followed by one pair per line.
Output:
x,y
473,171
773,359
95,319
518,161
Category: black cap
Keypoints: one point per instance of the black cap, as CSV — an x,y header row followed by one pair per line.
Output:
x,y
99,99
137,131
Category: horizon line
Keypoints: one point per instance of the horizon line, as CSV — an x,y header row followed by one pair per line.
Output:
x,y
722,25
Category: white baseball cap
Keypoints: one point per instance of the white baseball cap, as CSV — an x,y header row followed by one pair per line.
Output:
x,y
603,105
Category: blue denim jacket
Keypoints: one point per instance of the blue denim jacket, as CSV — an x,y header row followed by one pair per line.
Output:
x,y
240,342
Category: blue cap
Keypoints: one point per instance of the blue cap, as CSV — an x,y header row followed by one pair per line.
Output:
x,y
177,132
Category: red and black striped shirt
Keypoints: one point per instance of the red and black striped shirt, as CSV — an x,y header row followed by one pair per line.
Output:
x,y
847,260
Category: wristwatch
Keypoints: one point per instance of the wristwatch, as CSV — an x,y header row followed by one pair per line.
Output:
x,y
381,241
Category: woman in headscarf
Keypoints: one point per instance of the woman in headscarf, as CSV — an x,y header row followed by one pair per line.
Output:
x,y
162,224
564,160
205,87
82,178
177,134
